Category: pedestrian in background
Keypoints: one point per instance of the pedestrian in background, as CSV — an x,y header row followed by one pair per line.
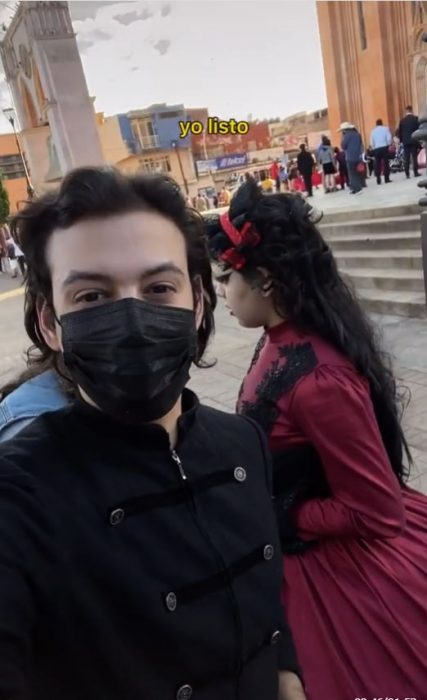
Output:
x,y
201,203
292,174
267,183
408,124
352,146
342,167
326,158
275,174
3,248
10,253
381,140
224,197
305,166
283,175
369,159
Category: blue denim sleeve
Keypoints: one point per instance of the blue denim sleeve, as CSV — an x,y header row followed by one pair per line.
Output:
x,y
8,431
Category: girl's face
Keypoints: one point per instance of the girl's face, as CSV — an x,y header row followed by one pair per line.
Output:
x,y
251,305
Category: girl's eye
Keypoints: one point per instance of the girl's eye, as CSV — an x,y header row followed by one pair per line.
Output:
x,y
90,297
223,279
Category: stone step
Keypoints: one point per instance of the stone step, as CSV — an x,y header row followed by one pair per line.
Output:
x,y
394,303
364,214
379,259
369,226
405,240
393,279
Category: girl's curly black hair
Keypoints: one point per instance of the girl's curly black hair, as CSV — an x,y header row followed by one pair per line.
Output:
x,y
308,290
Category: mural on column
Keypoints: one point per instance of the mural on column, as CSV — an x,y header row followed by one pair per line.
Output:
x,y
45,74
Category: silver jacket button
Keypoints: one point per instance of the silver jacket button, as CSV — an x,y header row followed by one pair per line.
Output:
x,y
268,552
185,692
240,474
171,602
275,637
116,516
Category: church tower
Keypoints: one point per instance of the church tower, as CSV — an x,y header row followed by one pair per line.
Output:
x,y
45,74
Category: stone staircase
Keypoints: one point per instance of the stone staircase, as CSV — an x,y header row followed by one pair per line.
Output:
x,y
379,251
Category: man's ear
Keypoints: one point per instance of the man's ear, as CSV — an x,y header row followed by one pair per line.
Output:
x,y
47,324
199,300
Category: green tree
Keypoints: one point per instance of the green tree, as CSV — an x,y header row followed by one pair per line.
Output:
x,y
4,204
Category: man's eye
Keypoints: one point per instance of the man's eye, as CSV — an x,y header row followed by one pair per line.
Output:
x,y
161,289
90,297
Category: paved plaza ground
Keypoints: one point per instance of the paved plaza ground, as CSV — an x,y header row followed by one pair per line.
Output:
x,y
398,193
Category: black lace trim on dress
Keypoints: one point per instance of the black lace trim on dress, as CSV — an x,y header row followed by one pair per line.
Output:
x,y
259,346
279,379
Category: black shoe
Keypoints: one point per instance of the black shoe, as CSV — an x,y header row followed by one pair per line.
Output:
x,y
387,182
417,174
407,176
378,182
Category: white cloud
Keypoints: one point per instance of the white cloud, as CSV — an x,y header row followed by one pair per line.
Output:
x,y
166,10
162,46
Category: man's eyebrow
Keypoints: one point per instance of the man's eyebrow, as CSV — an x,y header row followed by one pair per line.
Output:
x,y
163,267
83,276
87,276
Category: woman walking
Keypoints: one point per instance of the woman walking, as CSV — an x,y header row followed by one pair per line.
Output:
x,y
355,535
326,158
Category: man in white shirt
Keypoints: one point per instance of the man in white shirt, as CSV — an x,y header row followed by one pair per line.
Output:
x,y
381,140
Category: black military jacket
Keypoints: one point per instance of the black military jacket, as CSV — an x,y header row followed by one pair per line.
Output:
x,y
132,572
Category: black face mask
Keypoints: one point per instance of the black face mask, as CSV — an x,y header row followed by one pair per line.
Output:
x,y
132,358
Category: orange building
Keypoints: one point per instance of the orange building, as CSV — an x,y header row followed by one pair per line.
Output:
x,y
374,61
12,171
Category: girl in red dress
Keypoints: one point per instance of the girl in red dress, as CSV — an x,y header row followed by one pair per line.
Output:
x,y
353,533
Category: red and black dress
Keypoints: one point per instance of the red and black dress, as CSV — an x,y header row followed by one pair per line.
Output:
x,y
355,570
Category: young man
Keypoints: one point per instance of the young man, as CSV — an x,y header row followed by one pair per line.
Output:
x,y
408,124
381,140
138,548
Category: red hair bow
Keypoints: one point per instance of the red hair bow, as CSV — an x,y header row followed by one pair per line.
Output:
x,y
247,236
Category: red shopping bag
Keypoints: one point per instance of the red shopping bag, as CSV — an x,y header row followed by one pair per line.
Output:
x,y
317,178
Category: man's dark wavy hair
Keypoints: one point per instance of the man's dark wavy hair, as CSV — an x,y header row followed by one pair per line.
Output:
x,y
309,291
95,193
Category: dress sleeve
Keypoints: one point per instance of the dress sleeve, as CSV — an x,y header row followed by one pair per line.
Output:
x,y
333,409
17,613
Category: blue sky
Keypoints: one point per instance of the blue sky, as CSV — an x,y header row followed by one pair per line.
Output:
x,y
237,57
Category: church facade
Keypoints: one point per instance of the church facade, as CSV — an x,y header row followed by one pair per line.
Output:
x,y
44,71
375,61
